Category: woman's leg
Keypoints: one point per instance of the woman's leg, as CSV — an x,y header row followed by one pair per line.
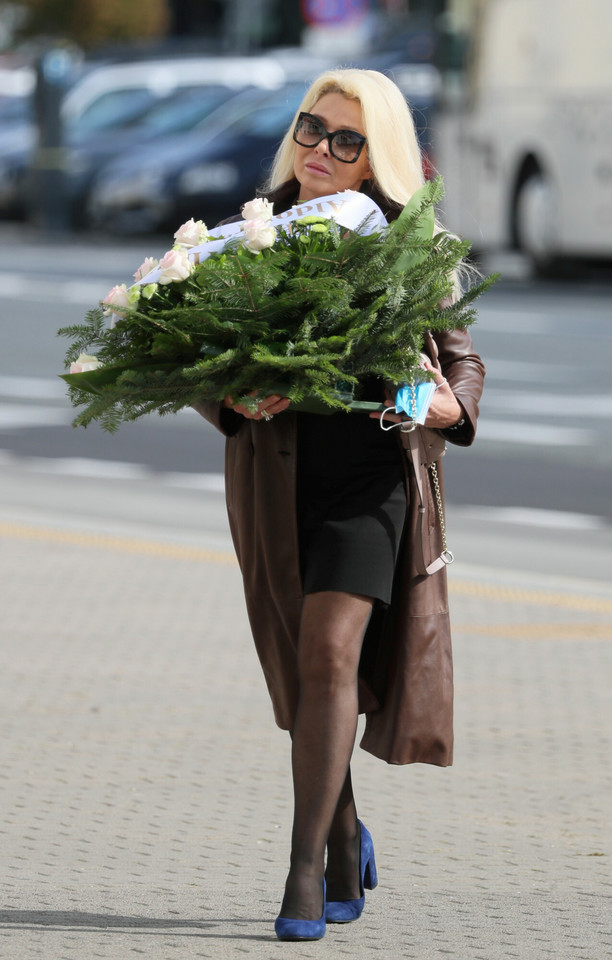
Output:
x,y
331,635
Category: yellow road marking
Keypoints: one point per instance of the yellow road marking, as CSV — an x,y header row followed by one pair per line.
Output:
x,y
543,598
134,545
102,541
579,630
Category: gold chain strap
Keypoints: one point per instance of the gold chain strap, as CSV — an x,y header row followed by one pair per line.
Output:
x,y
436,482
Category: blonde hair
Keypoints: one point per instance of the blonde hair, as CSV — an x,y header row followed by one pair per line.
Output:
x,y
393,148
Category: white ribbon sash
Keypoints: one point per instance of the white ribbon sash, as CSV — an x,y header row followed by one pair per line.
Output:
x,y
350,209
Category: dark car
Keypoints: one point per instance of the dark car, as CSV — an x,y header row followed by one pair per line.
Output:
x,y
206,174
91,148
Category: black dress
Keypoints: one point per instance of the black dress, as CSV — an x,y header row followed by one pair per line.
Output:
x,y
351,504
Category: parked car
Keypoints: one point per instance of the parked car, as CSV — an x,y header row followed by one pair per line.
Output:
x,y
90,151
206,173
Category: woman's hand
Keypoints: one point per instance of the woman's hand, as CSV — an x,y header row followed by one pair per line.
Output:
x,y
266,408
444,410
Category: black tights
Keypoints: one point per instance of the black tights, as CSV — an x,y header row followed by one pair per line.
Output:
x,y
332,629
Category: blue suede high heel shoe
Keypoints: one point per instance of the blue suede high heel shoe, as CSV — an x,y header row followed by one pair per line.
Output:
x,y
289,929
344,911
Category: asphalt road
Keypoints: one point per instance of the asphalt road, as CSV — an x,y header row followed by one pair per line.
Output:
x,y
543,456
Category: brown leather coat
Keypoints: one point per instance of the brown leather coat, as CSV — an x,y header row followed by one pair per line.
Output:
x,y
406,673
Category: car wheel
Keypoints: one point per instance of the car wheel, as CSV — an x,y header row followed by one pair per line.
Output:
x,y
536,221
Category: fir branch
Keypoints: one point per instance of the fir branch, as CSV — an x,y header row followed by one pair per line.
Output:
x,y
323,306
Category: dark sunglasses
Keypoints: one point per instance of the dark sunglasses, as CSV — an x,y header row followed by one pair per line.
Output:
x,y
344,145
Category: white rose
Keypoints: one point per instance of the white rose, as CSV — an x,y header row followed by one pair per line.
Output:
x,y
258,235
174,266
117,300
258,209
191,233
145,267
84,363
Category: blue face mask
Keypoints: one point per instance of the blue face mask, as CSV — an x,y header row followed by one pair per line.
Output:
x,y
412,400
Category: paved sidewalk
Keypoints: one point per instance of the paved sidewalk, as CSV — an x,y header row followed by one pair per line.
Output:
x,y
145,800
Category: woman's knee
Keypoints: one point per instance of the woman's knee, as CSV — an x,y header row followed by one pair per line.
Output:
x,y
331,636
328,660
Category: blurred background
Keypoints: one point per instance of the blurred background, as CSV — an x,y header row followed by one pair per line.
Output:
x,y
118,121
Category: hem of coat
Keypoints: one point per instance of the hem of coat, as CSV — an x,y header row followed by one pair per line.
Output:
x,y
399,758
371,745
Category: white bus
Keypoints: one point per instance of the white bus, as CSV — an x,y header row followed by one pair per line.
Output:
x,y
526,153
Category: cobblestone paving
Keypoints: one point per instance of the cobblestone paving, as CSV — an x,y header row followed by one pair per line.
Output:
x,y
145,800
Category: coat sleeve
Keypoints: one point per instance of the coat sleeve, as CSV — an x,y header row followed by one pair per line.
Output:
x,y
225,420
465,373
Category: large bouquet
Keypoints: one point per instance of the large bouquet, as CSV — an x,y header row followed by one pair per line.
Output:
x,y
305,305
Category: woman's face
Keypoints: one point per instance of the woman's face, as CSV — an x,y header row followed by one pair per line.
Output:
x,y
318,172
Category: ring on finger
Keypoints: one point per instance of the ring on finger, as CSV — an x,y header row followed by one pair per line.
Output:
x,y
266,416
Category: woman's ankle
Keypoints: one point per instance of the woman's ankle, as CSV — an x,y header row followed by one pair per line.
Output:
x,y
303,899
343,868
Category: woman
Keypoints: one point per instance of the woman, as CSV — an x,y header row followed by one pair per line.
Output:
x,y
327,518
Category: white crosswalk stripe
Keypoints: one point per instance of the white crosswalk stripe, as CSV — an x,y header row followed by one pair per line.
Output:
x,y
22,287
